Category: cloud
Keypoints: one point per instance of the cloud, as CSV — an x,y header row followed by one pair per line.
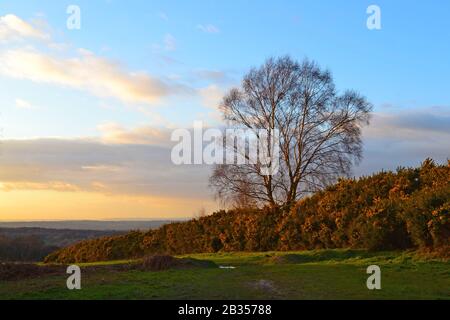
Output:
x,y
102,168
87,72
83,165
23,104
209,28
14,28
42,62
51,185
417,124
170,43
114,133
136,161
214,76
212,96
405,138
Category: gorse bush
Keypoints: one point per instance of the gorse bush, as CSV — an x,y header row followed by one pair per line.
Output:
x,y
107,248
408,208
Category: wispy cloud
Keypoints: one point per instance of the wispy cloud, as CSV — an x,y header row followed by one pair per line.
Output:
x,y
208,28
213,75
170,43
80,69
212,96
114,133
51,185
14,28
23,104
88,72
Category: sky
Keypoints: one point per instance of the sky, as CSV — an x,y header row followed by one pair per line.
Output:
x,y
86,113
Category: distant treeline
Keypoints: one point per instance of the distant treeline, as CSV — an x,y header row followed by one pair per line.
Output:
x,y
409,208
27,248
86,225
34,244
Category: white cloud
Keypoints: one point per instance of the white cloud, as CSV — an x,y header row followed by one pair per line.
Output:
x,y
212,96
23,104
169,43
209,28
87,72
43,62
14,28
114,133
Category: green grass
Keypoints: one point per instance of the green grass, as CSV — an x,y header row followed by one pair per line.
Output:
x,y
102,263
319,274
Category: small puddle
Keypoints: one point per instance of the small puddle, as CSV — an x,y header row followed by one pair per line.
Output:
x,y
227,267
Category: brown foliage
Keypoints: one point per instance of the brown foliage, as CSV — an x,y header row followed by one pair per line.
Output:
x,y
389,210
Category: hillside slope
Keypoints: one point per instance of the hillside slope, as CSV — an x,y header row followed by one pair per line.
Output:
x,y
408,208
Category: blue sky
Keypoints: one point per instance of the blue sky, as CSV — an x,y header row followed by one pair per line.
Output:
x,y
404,64
191,52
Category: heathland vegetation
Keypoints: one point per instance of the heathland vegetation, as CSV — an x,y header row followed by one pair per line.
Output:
x,y
406,209
300,231
302,204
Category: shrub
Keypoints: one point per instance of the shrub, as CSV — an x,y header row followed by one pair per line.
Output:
x,y
408,208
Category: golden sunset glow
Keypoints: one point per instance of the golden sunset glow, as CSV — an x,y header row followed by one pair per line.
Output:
x,y
55,205
87,114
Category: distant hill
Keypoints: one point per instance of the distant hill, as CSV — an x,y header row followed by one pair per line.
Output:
x,y
55,237
406,209
32,241
33,244
113,225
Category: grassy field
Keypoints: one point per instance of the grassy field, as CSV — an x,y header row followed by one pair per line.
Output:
x,y
322,274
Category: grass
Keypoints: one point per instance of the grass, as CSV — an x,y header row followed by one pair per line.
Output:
x,y
318,274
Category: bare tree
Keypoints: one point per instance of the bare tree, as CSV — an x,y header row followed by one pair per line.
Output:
x,y
319,131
